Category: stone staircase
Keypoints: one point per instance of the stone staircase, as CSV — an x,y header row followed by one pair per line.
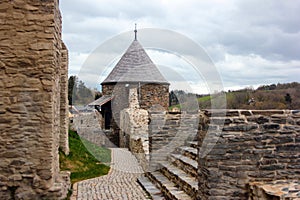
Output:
x,y
175,178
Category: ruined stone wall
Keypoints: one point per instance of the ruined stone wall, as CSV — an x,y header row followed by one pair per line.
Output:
x,y
167,131
88,126
32,61
87,120
134,129
251,146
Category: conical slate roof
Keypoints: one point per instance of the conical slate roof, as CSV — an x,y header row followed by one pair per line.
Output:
x,y
135,66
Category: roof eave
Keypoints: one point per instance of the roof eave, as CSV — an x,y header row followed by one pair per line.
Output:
x,y
147,82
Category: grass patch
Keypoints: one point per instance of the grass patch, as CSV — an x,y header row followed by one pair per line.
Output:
x,y
204,102
175,106
82,163
204,99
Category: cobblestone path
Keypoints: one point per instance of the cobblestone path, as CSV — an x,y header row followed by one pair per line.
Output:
x,y
119,184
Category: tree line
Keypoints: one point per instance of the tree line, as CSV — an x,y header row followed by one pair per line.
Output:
x,y
274,96
79,93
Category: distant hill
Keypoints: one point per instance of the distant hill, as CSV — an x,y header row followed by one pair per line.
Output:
x,y
280,96
274,96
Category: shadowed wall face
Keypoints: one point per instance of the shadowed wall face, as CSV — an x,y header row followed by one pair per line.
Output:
x,y
33,101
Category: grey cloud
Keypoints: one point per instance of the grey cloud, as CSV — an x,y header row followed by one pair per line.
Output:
x,y
112,9
281,14
267,29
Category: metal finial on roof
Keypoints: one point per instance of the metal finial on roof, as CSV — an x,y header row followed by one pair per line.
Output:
x,y
135,33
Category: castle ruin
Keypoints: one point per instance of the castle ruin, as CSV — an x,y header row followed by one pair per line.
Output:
x,y
33,100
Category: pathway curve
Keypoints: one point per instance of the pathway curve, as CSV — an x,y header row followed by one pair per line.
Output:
x,y
119,184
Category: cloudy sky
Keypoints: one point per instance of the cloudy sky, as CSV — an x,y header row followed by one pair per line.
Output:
x,y
250,42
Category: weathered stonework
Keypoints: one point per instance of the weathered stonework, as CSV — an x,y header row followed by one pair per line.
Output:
x,y
33,70
88,126
275,190
168,131
239,154
154,94
252,146
134,129
64,110
149,95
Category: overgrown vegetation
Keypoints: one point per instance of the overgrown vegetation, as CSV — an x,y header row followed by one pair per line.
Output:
x,y
83,163
274,96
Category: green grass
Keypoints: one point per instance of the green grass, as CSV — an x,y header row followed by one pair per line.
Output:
x,y
177,106
204,102
84,164
204,98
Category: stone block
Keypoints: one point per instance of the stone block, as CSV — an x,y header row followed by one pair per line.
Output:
x,y
267,112
246,113
272,167
281,140
243,127
17,108
4,120
15,177
220,120
14,153
288,148
272,126
30,8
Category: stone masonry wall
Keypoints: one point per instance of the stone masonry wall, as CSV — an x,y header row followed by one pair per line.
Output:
x,y
88,126
167,131
150,95
120,102
64,110
252,146
154,94
134,129
32,66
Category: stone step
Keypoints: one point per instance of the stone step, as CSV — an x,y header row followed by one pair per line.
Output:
x,y
185,163
156,158
184,181
168,188
193,144
189,152
150,188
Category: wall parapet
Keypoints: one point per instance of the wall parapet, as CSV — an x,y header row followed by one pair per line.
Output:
x,y
134,129
246,146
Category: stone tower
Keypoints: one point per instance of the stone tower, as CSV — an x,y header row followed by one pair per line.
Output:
x,y
135,69
33,100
